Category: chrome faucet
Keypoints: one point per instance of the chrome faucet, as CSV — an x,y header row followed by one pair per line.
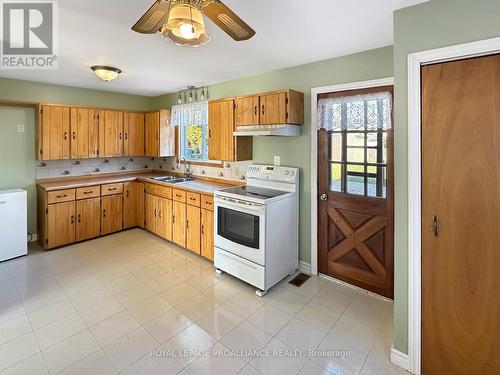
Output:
x,y
187,166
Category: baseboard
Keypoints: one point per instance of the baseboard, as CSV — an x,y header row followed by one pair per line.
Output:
x,y
304,267
400,359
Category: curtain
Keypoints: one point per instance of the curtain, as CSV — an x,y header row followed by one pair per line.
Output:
x,y
358,112
190,114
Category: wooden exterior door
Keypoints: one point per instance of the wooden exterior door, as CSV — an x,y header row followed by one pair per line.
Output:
x,y
355,195
179,223
133,205
207,234
84,133
273,109
55,132
193,224
133,141
152,134
110,133
112,214
151,210
88,218
60,224
247,111
164,220
460,217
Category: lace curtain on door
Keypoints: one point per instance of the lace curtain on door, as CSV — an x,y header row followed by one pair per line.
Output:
x,y
358,112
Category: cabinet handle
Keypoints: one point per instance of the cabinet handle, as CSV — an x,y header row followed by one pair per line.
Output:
x,y
62,196
126,136
155,212
127,193
103,213
87,192
120,135
209,133
72,219
79,218
187,224
111,189
192,199
159,214
65,135
256,110
202,229
173,219
74,135
263,108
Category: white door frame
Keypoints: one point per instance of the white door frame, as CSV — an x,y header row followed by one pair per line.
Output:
x,y
314,152
415,61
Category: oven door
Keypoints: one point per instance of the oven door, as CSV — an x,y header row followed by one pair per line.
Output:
x,y
240,228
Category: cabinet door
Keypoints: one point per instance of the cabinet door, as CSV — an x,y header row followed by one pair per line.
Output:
x,y
273,109
193,224
167,134
179,223
164,219
110,133
55,132
207,234
151,212
247,111
133,141
60,224
220,130
152,133
133,204
112,214
88,218
84,133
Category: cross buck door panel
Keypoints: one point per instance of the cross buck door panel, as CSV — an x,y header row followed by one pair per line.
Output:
x,y
355,194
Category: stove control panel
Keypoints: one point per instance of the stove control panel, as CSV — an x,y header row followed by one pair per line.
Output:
x,y
273,173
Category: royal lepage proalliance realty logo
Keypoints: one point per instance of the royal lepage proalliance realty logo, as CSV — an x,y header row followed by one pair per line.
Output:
x,y
29,34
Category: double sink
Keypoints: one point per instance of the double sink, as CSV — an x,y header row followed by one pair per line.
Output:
x,y
172,179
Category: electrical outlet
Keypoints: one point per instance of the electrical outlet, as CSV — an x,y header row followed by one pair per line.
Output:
x,y
20,128
277,160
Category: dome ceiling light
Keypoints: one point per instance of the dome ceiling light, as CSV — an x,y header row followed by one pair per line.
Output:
x,y
106,73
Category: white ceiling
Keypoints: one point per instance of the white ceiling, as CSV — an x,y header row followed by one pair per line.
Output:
x,y
289,32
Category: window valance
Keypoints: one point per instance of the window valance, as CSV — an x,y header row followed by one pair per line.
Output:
x,y
190,114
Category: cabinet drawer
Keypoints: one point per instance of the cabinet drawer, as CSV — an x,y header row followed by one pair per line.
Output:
x,y
111,189
193,199
207,202
88,192
59,196
179,195
159,191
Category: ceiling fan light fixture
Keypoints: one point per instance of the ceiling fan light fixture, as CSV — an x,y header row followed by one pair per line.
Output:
x,y
106,73
185,26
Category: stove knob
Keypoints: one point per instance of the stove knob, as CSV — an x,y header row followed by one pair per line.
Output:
x,y
287,172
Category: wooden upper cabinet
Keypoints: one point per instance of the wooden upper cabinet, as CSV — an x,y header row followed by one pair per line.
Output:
x,y
84,133
159,134
222,144
247,110
110,133
273,108
54,133
133,139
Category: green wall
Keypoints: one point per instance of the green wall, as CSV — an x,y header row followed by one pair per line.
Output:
x,y
296,151
17,150
17,155
435,24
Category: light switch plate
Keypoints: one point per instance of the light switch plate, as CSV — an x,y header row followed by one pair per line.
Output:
x,y
20,128
277,160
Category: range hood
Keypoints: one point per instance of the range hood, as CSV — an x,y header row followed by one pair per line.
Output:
x,y
283,130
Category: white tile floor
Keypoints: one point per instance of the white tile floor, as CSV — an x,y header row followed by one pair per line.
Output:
x,y
102,307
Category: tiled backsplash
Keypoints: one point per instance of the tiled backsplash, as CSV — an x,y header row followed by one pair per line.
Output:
x,y
71,168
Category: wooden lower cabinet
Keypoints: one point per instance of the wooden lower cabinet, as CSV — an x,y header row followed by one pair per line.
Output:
x,y
111,214
164,219
60,224
88,219
133,205
207,234
150,212
179,223
193,225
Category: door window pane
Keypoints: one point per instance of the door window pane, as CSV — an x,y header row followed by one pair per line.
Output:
x,y
355,179
356,155
335,148
356,139
336,177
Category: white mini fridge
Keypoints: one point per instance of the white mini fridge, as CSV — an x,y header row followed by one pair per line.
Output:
x,y
13,224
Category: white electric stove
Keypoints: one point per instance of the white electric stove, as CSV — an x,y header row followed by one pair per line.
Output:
x,y
257,227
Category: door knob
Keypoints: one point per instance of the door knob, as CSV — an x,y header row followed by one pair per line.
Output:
x,y
323,197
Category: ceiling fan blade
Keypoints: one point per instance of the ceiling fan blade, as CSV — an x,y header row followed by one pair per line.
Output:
x,y
152,21
227,20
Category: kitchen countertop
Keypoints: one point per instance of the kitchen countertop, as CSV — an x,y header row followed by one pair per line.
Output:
x,y
200,185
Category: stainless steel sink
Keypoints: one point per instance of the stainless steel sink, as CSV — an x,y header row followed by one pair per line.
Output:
x,y
172,179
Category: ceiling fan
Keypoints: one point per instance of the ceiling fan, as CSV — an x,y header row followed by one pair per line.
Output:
x,y
182,21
